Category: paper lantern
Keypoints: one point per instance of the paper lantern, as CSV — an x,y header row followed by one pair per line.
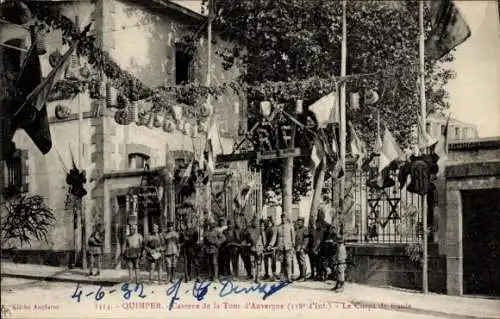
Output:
x,y
265,108
111,95
299,106
371,97
186,128
133,109
151,120
177,112
354,97
40,44
194,131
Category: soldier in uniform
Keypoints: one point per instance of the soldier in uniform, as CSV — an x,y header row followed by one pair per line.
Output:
x,y
285,243
224,261
154,250
192,252
171,238
341,263
213,239
245,248
133,250
233,241
257,240
96,243
270,258
301,244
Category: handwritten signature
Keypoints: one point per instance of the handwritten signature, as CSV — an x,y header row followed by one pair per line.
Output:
x,y
200,289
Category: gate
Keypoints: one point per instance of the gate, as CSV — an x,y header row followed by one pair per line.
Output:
x,y
389,215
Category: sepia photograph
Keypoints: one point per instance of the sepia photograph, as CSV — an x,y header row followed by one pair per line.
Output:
x,y
250,159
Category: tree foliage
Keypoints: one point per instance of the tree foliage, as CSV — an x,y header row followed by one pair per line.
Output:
x,y
25,218
298,43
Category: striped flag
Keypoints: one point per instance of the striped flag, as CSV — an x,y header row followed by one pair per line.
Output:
x,y
390,151
358,147
424,139
187,174
318,153
244,194
325,110
449,29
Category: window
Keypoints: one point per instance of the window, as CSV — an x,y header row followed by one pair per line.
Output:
x,y
138,161
428,127
457,133
183,66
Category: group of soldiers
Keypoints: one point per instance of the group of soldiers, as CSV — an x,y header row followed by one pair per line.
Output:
x,y
220,245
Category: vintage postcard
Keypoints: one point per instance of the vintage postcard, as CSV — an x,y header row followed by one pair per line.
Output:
x,y
250,159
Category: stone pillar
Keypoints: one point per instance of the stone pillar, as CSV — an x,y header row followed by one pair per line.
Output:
x,y
454,250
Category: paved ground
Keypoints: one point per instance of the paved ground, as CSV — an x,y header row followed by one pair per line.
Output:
x,y
34,299
296,299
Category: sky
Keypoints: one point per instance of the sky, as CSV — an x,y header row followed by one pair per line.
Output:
x,y
475,92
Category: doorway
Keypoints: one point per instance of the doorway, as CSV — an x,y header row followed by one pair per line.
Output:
x,y
481,242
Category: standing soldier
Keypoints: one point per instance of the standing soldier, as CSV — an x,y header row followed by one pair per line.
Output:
x,y
271,257
245,247
154,250
341,262
96,243
233,239
192,252
213,238
132,251
171,238
285,243
301,244
224,261
257,240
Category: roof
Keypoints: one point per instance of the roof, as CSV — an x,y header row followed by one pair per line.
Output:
x,y
169,5
442,120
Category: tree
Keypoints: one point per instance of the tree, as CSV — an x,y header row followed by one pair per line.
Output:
x,y
292,50
25,218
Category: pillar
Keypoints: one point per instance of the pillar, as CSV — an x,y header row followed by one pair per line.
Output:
x,y
454,249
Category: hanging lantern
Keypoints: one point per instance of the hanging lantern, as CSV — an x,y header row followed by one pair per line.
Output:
x,y
111,95
168,125
299,107
354,97
194,131
177,112
122,117
159,118
265,108
73,68
371,97
151,120
40,44
186,128
121,102
133,109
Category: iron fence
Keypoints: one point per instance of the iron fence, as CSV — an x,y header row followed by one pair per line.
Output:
x,y
388,215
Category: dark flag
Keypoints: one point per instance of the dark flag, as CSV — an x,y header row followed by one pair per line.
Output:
x,y
449,29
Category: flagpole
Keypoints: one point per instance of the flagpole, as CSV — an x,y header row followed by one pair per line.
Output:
x,y
343,71
209,76
423,111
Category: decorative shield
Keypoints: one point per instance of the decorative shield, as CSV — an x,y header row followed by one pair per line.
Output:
x,y
62,112
371,97
159,118
177,112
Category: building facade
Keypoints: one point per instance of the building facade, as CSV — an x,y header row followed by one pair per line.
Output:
x,y
143,38
457,130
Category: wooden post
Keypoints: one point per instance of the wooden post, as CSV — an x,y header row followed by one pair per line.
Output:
x,y
287,179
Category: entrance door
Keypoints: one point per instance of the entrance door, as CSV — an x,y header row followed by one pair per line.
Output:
x,y
481,242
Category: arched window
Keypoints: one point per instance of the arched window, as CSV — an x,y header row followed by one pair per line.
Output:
x,y
138,160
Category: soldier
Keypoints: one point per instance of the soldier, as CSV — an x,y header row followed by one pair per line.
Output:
x,y
171,238
96,243
271,257
192,252
132,251
314,247
285,243
301,244
233,240
341,263
213,238
245,248
257,239
154,250
224,261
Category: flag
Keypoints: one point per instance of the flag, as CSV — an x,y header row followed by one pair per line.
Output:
x,y
424,139
39,95
390,151
449,29
211,10
214,139
169,163
325,110
358,147
441,148
244,194
318,153
187,174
